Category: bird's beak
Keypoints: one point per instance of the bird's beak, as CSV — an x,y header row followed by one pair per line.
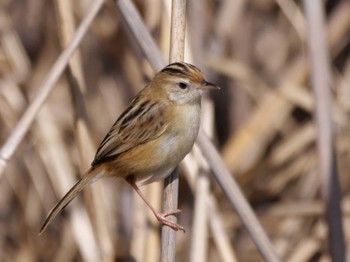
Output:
x,y
208,86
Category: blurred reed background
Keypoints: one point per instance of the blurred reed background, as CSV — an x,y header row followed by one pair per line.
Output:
x,y
262,121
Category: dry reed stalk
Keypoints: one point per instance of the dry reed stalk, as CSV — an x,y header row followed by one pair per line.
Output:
x,y
74,73
13,48
199,239
46,87
138,31
139,224
304,208
215,218
249,82
86,243
305,250
245,147
237,199
228,19
226,251
67,249
53,153
293,145
321,83
302,165
171,183
60,170
294,16
153,242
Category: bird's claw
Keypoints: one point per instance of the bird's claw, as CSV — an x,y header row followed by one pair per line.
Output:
x,y
162,217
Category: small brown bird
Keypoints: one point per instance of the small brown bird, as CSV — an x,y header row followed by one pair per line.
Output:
x,y
150,137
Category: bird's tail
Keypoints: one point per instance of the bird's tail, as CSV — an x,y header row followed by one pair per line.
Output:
x,y
89,177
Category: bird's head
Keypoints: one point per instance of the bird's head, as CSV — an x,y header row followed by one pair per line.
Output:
x,y
182,83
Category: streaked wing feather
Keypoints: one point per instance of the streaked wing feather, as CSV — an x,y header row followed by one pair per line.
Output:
x,y
141,122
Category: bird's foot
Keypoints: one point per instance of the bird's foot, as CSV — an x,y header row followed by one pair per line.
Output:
x,y
162,218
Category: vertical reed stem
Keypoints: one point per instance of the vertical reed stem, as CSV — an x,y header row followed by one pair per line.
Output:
x,y
321,82
171,184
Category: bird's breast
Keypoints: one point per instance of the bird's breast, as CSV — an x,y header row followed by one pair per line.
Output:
x,y
184,130
175,143
155,159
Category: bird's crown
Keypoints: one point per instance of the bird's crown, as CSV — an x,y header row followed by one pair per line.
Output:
x,y
184,70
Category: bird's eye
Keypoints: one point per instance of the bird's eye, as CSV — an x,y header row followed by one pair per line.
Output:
x,y
183,85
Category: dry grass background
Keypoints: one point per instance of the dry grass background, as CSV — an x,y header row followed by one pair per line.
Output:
x,y
262,121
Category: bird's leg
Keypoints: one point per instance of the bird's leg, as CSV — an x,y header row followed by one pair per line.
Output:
x,y
161,217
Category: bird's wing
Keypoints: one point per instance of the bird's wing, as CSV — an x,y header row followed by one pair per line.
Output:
x,y
141,122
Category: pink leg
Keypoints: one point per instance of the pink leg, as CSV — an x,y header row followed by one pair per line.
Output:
x,y
161,217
